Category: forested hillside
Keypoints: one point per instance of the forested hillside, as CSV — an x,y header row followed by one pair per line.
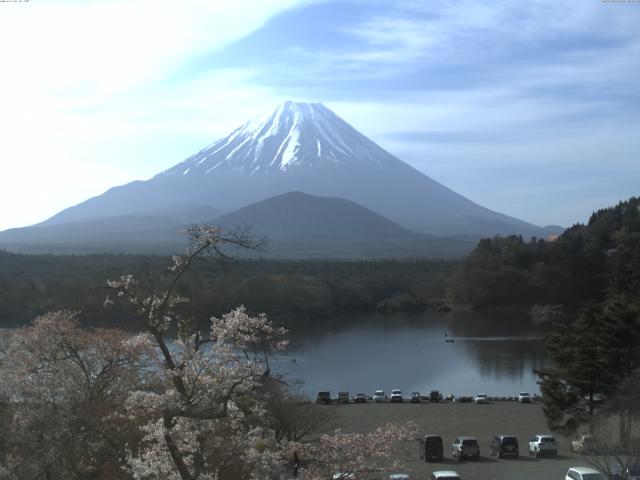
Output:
x,y
581,264
292,291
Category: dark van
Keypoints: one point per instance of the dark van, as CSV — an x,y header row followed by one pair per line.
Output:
x,y
323,397
433,451
504,445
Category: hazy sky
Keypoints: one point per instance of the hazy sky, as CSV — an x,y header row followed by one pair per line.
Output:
x,y
529,108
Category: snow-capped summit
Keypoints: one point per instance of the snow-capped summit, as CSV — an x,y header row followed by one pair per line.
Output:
x,y
301,147
295,135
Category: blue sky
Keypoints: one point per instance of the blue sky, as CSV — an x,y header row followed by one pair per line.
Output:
x,y
529,108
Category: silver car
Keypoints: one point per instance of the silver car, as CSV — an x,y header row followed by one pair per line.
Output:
x,y
481,398
543,445
465,447
583,473
378,396
396,396
445,475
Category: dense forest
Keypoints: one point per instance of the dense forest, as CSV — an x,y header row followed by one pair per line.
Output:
x,y
583,263
290,291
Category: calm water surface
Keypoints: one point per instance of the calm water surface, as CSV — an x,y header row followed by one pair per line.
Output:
x,y
362,353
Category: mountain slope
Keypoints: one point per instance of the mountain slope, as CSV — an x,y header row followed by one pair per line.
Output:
x,y
302,147
299,214
121,233
296,225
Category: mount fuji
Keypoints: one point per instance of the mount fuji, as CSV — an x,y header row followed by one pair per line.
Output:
x,y
302,147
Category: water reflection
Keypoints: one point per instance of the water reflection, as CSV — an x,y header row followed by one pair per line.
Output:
x,y
489,354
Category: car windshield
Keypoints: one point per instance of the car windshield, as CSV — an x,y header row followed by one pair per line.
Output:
x,y
396,392
548,440
509,440
415,393
343,394
379,392
469,441
524,394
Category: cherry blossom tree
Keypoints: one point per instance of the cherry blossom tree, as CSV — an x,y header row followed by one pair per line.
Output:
x,y
64,388
198,422
351,454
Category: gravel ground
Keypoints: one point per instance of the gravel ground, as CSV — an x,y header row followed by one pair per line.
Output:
x,y
454,419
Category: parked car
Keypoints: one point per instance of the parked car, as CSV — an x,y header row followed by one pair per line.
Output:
x,y
396,396
463,399
344,476
583,473
542,445
481,398
583,443
435,396
360,398
323,397
445,475
618,472
399,476
342,397
524,397
504,446
465,447
378,396
415,397
433,450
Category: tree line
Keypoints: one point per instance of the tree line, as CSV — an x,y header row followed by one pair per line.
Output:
x,y
578,266
293,292
594,383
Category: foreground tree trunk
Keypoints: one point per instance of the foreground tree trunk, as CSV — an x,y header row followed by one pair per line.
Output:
x,y
175,452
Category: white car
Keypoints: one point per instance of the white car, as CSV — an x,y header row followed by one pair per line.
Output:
x,y
344,476
583,473
543,445
396,396
524,397
465,447
445,475
378,396
399,476
481,398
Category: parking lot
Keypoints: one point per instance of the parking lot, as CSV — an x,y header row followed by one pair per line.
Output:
x,y
454,419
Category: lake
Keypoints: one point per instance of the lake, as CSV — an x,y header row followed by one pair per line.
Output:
x,y
361,353
492,354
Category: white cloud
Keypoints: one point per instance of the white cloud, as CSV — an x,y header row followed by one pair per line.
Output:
x,y
103,47
83,83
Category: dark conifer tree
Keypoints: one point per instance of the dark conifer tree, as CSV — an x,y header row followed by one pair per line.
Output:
x,y
572,389
620,330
